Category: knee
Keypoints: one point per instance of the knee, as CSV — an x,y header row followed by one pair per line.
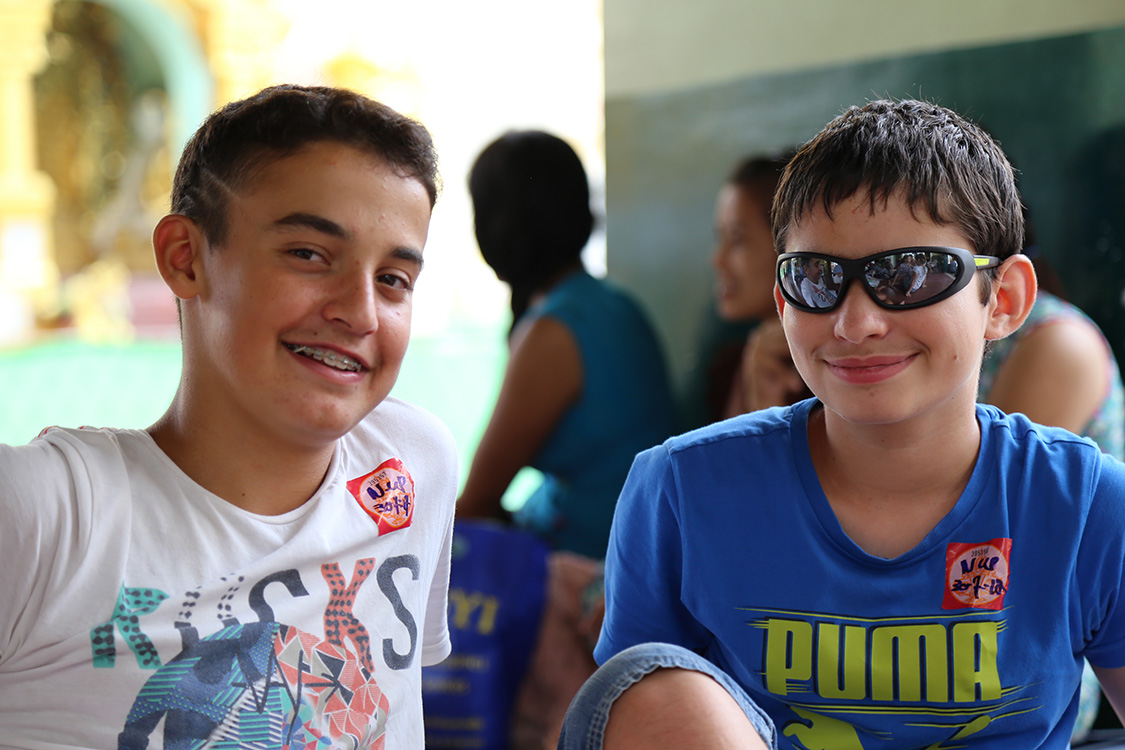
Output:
x,y
657,695
675,707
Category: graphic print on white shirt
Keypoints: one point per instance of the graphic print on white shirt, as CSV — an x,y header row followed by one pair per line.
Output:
x,y
257,678
261,680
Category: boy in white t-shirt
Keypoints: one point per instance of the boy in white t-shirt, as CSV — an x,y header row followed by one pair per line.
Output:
x,y
267,565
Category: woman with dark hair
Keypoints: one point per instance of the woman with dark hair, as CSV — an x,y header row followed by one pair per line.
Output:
x,y
758,372
586,386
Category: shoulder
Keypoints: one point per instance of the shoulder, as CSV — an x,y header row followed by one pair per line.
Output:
x,y
404,431
1051,460
56,489
544,336
759,427
77,464
400,424
1063,329
1058,481
1048,307
566,294
1053,314
697,474
1016,431
582,297
59,453
591,317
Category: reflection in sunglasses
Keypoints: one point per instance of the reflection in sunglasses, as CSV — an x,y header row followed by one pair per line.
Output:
x,y
896,279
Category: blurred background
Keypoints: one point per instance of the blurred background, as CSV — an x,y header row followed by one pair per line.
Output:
x,y
659,98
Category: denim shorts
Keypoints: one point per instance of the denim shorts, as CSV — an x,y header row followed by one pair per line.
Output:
x,y
584,726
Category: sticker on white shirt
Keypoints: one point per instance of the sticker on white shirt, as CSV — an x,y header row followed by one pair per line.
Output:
x,y
387,495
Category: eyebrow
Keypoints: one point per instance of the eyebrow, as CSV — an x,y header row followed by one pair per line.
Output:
x,y
314,222
331,228
410,255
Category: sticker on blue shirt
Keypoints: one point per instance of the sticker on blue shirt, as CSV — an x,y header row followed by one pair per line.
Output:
x,y
976,575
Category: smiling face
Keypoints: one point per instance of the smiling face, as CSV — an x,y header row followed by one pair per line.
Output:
x,y
869,365
743,257
298,323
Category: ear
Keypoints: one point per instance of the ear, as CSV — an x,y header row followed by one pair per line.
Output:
x,y
1012,296
778,300
179,244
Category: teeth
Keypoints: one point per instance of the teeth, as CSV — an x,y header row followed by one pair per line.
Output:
x,y
330,358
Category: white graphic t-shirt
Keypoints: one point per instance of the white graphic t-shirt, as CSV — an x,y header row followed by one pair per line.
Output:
x,y
139,610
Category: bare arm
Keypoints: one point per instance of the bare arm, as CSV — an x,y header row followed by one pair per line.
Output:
x,y
1056,375
543,378
1113,687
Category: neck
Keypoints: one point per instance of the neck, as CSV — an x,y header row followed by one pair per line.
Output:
x,y
555,279
889,485
257,474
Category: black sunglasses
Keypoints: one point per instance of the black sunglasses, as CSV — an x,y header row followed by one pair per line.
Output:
x,y
900,279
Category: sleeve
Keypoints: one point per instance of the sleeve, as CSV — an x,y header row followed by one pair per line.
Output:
x,y
1101,568
644,564
436,644
35,482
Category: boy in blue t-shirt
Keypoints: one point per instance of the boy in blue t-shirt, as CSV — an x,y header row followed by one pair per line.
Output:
x,y
888,564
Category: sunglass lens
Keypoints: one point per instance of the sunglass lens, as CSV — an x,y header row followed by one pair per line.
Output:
x,y
812,282
908,279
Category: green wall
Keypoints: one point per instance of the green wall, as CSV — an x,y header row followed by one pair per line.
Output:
x,y
1057,105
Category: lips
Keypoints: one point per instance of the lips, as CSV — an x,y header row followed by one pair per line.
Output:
x,y
867,370
329,357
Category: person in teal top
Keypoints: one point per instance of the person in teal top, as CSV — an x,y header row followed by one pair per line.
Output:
x,y
625,404
586,386
1077,382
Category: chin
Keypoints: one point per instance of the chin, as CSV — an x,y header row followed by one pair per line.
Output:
x,y
330,422
324,431
887,413
732,311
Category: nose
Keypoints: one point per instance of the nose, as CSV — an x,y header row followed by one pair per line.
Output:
x,y
858,317
353,303
719,255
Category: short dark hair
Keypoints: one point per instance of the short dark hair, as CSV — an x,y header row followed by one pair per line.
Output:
x,y
937,160
531,209
758,176
237,141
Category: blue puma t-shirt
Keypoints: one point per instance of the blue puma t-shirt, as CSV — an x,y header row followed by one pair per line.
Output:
x,y
724,543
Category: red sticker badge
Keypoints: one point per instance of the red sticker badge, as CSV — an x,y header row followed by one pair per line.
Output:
x,y
387,495
976,575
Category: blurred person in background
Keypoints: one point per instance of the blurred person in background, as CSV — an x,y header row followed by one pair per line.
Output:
x,y
585,389
1058,368
586,386
758,372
